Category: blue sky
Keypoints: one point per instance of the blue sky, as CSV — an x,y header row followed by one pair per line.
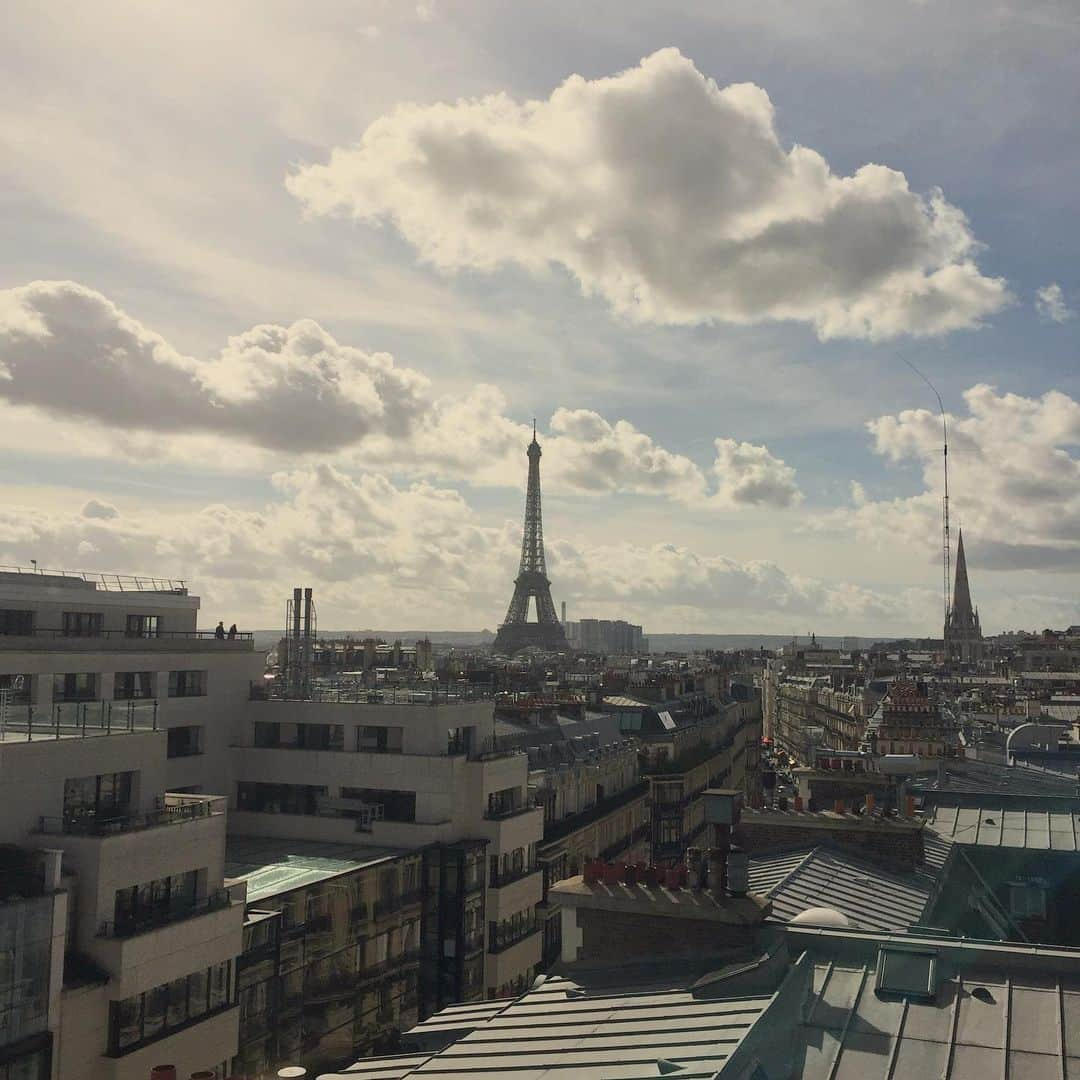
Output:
x,y
674,248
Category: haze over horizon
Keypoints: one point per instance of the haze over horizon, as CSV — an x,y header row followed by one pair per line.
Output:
x,y
284,287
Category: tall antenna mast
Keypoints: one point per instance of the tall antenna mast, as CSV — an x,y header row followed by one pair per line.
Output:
x,y
945,543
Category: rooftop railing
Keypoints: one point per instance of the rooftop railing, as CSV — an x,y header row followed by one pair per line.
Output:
x,y
176,810
108,582
355,693
132,635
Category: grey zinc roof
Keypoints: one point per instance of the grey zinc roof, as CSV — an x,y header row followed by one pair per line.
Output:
x,y
1027,1026
548,1035
871,898
990,826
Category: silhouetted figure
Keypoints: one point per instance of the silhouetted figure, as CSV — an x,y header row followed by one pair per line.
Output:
x,y
232,632
219,631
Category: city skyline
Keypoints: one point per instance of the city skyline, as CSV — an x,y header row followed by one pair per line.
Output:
x,y
303,338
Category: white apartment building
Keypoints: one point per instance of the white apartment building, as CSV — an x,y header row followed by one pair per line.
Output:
x,y
105,686
402,769
129,737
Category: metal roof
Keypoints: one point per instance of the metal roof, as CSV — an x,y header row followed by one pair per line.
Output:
x,y
979,1024
548,1035
870,897
1022,827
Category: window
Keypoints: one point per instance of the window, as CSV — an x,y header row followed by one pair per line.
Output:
x,y
143,1018
17,687
18,623
670,831
153,903
184,741
83,623
77,686
1027,900
142,626
907,973
106,795
396,805
187,683
132,685
379,740
279,798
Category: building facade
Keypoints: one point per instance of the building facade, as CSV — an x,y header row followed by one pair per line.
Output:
x,y
135,745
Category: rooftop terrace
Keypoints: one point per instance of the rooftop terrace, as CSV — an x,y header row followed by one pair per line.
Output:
x,y
91,579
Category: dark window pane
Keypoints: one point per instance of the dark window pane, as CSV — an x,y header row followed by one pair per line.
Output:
x,y
177,1010
154,1011
129,1020
197,993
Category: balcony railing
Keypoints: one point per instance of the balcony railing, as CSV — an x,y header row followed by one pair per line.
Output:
x,y
500,813
500,879
177,810
143,922
517,939
78,719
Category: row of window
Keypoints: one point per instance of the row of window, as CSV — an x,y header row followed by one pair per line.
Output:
x,y
291,736
146,1017
127,685
78,624
312,799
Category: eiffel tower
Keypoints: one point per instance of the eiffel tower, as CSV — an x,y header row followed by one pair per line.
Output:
x,y
517,632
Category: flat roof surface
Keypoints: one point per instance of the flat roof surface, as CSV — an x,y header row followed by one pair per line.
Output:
x,y
980,1024
271,865
552,1033
1000,826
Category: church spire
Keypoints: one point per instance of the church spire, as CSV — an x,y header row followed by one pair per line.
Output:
x,y
961,598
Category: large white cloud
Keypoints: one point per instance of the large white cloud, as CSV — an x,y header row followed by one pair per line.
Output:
x,y
1014,478
671,197
69,350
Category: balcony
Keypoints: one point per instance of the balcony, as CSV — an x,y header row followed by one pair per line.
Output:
x,y
500,879
176,810
78,720
145,922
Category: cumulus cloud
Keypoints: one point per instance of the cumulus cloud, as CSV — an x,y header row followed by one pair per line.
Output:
x,y
69,350
1014,481
670,197
1050,304
589,454
95,508
748,475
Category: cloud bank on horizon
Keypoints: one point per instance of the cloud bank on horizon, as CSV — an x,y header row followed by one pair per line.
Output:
x,y
670,197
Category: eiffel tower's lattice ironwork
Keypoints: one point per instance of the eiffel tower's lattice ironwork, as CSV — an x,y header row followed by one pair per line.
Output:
x,y
516,632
